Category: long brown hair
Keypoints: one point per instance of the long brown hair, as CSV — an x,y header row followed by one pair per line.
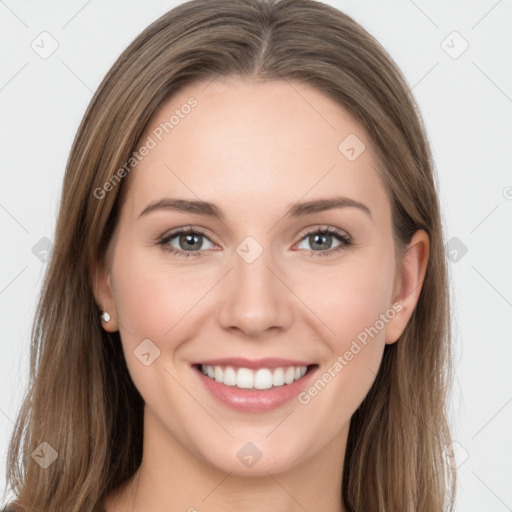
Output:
x,y
81,399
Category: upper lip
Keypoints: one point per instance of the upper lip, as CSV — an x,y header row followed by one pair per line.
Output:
x,y
240,362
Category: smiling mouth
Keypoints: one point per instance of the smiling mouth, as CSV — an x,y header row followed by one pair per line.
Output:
x,y
255,379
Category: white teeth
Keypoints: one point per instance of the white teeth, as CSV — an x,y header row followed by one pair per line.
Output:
x,y
263,378
289,375
278,377
245,378
229,377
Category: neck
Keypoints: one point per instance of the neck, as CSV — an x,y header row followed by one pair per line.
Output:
x,y
170,478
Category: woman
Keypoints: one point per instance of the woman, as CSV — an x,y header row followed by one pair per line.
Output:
x,y
191,351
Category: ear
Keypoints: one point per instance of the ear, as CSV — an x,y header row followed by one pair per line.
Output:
x,y
408,283
104,296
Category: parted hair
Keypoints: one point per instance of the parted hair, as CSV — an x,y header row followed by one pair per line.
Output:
x,y
80,398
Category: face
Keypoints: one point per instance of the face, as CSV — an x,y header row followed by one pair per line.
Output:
x,y
284,300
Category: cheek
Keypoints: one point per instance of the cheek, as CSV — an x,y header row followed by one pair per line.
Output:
x,y
352,302
152,299
350,298
355,303
154,302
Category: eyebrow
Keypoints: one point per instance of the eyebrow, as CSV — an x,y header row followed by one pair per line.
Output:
x,y
294,210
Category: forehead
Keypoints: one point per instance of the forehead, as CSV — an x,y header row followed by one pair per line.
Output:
x,y
248,144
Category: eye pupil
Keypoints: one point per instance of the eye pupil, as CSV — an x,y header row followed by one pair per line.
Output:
x,y
314,239
188,240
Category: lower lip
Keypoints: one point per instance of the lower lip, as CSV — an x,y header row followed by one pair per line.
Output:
x,y
255,400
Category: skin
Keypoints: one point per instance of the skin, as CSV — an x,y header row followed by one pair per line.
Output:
x,y
253,149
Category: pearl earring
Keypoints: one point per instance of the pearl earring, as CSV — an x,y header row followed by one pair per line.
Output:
x,y
105,316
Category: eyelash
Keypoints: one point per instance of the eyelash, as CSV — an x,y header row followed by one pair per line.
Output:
x,y
164,241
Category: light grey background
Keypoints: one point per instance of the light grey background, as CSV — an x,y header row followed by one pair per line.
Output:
x,y
466,101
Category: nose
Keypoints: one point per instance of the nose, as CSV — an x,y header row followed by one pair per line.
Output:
x,y
254,298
